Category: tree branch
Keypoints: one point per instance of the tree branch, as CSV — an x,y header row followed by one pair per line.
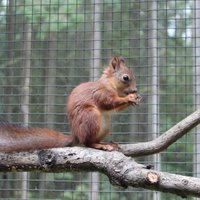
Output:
x,y
163,141
121,170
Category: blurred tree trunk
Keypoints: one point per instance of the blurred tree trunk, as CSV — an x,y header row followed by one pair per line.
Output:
x,y
95,66
136,118
139,120
10,57
153,120
49,97
26,73
196,74
95,59
50,80
8,82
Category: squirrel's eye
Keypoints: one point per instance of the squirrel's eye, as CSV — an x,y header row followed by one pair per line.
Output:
x,y
125,77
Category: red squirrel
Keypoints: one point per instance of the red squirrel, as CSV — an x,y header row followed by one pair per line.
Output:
x,y
89,107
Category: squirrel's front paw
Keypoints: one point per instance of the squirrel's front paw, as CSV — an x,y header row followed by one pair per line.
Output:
x,y
134,99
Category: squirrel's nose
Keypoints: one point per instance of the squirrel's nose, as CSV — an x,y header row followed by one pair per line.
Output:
x,y
134,90
130,91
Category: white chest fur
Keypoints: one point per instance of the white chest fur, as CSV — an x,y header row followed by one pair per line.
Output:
x,y
104,125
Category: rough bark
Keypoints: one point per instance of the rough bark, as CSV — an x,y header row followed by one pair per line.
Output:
x,y
121,169
165,140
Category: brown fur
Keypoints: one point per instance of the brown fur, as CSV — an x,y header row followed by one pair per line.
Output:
x,y
89,108
90,104
14,138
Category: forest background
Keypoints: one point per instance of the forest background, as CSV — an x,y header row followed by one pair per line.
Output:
x,y
50,46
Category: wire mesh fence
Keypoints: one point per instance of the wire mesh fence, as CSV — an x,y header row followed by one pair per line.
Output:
x,y
50,46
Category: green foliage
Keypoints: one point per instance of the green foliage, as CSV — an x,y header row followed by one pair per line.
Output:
x,y
51,15
124,31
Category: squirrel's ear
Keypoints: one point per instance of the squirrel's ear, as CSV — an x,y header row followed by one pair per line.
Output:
x,y
116,62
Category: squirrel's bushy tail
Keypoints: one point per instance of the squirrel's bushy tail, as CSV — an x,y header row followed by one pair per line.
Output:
x,y
16,138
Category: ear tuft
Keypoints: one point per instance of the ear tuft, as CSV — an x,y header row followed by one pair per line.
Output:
x,y
116,62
